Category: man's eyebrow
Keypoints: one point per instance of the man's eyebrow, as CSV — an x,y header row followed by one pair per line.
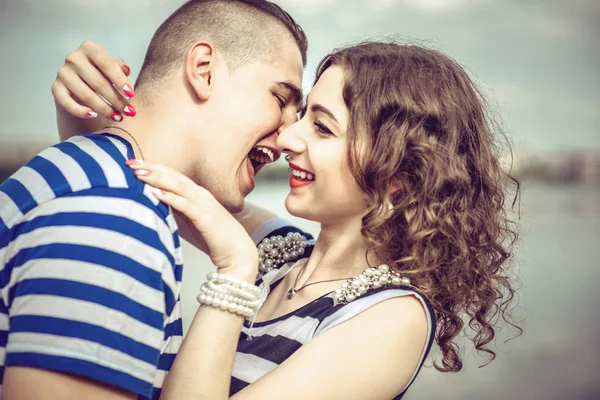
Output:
x,y
320,108
295,91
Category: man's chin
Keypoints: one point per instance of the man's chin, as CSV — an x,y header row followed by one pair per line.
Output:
x,y
234,206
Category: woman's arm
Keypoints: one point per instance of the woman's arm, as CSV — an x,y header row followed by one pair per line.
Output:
x,y
372,355
203,365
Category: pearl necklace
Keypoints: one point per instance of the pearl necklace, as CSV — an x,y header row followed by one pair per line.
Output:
x,y
278,250
372,278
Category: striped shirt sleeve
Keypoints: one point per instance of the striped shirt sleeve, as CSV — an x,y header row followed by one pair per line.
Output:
x,y
88,280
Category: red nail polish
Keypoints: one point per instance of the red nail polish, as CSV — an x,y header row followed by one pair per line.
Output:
x,y
130,111
142,172
128,91
91,114
127,67
133,162
116,117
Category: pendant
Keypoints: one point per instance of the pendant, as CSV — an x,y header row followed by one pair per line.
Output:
x,y
291,293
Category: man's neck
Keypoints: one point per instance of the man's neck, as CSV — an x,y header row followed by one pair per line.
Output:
x,y
156,136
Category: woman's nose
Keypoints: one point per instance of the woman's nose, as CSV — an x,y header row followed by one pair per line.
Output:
x,y
290,140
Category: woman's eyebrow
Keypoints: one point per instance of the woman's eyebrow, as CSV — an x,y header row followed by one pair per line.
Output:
x,y
321,108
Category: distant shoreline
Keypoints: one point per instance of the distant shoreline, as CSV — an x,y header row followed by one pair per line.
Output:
x,y
572,168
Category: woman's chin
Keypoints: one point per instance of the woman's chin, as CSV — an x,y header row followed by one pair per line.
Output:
x,y
295,211
299,210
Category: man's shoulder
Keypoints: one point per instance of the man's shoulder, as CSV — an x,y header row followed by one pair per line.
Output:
x,y
85,162
83,166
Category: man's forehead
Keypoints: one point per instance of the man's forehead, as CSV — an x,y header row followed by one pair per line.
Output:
x,y
289,63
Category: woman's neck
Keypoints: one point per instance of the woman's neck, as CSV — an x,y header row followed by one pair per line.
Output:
x,y
340,251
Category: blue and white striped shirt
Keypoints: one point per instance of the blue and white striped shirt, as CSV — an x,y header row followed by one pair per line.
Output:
x,y
90,268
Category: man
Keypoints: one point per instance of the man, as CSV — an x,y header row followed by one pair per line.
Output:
x,y
89,259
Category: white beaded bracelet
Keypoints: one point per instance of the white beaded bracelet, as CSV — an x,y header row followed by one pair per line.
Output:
x,y
230,293
233,280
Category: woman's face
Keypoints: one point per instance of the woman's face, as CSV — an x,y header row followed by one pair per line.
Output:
x,y
322,187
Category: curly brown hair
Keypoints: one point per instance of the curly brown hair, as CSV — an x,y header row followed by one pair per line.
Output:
x,y
419,138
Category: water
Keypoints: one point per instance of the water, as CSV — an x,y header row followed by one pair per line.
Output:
x,y
558,261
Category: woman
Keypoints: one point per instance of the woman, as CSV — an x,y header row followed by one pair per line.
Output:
x,y
394,157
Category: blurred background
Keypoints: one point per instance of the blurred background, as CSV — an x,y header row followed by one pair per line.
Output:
x,y
537,61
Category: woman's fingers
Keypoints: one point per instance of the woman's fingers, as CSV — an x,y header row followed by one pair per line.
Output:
x,y
227,242
64,99
124,67
93,82
181,204
167,179
84,95
109,67
102,86
179,192
98,83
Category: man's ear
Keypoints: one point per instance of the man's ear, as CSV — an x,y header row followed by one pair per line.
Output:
x,y
200,64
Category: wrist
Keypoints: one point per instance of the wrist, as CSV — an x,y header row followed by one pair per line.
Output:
x,y
246,273
230,293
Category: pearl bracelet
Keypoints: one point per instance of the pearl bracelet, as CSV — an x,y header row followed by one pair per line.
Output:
x,y
233,280
230,293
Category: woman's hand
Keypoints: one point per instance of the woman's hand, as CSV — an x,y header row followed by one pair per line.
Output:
x,y
92,82
229,246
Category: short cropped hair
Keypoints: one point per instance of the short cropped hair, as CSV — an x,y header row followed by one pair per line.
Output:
x,y
244,31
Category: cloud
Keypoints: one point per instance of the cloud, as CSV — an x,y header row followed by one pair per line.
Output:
x,y
519,98
510,94
442,5
113,5
381,5
310,5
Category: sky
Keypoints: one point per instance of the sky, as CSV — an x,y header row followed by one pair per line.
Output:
x,y
537,61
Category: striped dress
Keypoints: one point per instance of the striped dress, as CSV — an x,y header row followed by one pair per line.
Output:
x,y
90,268
265,345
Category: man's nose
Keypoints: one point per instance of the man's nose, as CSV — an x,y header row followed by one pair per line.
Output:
x,y
289,118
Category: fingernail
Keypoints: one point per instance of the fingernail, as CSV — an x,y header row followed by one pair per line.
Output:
x,y
133,162
157,191
127,67
142,172
91,114
130,111
128,91
116,117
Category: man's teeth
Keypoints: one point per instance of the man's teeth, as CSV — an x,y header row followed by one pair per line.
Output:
x,y
268,152
303,175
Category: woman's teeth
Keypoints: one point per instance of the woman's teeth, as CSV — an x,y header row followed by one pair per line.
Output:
x,y
303,175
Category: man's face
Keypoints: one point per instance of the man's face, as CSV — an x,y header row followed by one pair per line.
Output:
x,y
247,109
